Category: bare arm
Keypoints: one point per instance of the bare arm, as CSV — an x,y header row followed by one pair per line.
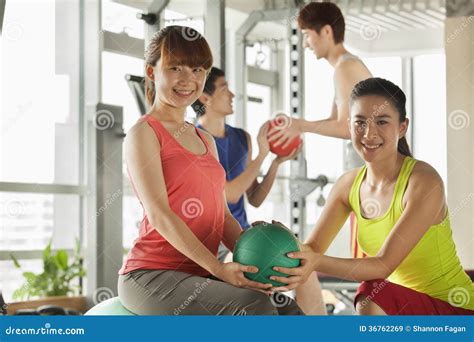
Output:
x,y
336,125
235,188
334,214
335,128
258,191
232,228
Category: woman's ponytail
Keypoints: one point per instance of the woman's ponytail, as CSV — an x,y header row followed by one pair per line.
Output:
x,y
403,147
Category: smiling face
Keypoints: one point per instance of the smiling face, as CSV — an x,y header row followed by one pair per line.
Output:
x,y
177,86
375,127
221,100
316,42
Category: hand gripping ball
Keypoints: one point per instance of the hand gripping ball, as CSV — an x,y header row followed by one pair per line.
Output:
x,y
281,123
266,246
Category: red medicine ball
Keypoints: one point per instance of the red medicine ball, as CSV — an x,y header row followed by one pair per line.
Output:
x,y
280,123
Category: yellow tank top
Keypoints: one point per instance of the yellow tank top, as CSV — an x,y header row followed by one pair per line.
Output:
x,y
433,266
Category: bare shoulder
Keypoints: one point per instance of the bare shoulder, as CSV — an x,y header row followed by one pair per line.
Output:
x,y
352,70
140,133
426,189
210,141
425,176
248,137
343,185
349,176
348,67
207,135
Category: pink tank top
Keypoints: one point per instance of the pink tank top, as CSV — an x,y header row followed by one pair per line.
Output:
x,y
194,185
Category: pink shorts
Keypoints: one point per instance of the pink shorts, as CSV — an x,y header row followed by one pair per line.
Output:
x,y
395,299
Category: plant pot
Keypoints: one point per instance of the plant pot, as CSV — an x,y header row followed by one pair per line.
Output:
x,y
77,303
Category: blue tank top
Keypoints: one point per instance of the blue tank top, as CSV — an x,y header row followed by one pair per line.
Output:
x,y
233,151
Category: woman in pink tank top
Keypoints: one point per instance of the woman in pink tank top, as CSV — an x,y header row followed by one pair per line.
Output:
x,y
172,267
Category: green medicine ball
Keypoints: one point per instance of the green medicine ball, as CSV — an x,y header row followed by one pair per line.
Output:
x,y
266,246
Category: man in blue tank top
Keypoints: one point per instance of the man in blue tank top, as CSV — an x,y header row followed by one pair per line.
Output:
x,y
234,146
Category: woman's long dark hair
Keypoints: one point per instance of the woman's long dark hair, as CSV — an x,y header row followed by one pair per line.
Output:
x,y
393,94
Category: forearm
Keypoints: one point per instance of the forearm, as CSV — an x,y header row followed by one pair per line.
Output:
x,y
261,191
232,231
353,269
235,188
327,127
178,234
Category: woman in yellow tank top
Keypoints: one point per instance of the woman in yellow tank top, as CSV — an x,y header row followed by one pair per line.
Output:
x,y
411,266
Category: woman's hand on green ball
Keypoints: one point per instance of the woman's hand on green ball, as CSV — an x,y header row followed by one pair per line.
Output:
x,y
257,223
297,275
233,273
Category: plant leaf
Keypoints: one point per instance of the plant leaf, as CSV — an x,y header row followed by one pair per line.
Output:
x,y
15,261
56,277
47,250
61,259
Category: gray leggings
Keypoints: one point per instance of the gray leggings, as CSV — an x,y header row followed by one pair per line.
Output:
x,y
165,292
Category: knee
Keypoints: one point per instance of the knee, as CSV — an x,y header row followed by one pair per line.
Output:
x,y
361,304
257,303
366,307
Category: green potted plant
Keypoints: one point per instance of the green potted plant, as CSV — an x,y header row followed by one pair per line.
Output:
x,y
54,286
